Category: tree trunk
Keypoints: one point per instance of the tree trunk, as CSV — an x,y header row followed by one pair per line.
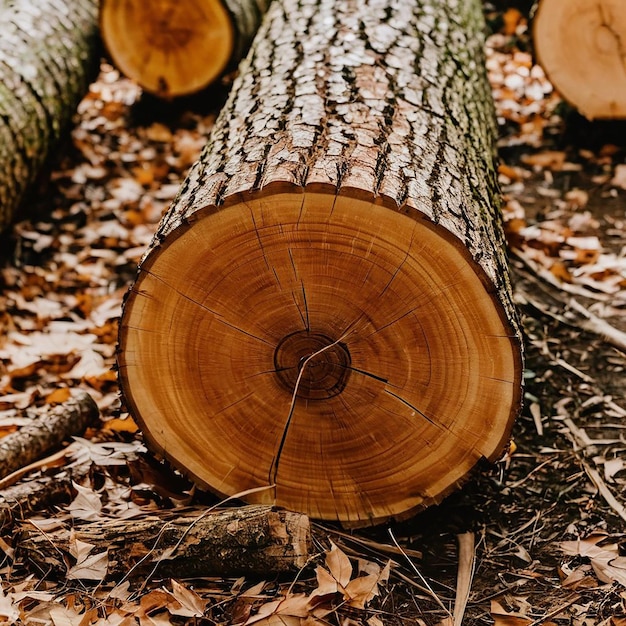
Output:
x,y
581,46
173,47
245,541
48,56
325,308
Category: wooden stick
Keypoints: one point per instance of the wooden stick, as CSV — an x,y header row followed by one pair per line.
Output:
x,y
46,432
251,540
21,500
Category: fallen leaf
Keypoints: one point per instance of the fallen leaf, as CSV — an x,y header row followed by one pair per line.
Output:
x,y
619,177
8,609
607,564
287,611
88,566
86,505
339,565
58,396
190,603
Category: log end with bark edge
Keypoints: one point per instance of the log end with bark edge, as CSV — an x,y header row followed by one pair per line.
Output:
x,y
580,45
324,315
170,48
346,353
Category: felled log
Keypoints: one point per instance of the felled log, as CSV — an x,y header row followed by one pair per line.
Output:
x,y
49,53
580,45
254,541
46,432
173,48
325,308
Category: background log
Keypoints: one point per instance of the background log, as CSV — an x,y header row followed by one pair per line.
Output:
x,y
580,45
49,53
325,308
254,540
177,47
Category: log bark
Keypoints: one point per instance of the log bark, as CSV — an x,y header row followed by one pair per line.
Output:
x,y
581,46
46,432
49,53
255,541
37,494
325,308
173,48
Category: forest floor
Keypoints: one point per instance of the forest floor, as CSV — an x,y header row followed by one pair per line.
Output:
x,y
544,528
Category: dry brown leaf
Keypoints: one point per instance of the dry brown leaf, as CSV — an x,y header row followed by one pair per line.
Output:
x,y
357,592
86,505
190,604
287,611
88,566
9,611
619,177
361,591
547,159
339,565
607,564
512,18
121,425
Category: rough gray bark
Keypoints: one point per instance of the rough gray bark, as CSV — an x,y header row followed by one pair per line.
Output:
x,y
370,97
47,431
398,109
346,117
48,55
251,541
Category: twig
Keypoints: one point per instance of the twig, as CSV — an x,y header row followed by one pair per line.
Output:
x,y
385,548
18,501
605,492
414,568
168,554
597,325
556,611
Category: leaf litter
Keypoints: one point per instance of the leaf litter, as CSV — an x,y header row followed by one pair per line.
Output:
x,y
548,545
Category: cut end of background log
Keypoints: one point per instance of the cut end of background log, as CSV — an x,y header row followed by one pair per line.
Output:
x,y
581,46
174,48
325,315
169,47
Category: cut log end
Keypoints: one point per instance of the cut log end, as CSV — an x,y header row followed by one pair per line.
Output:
x,y
349,355
180,48
580,45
